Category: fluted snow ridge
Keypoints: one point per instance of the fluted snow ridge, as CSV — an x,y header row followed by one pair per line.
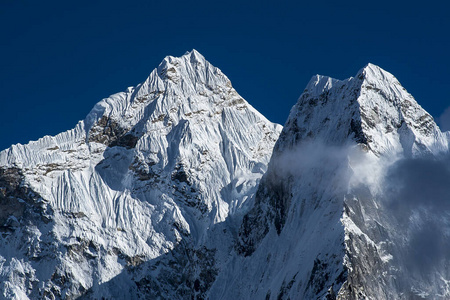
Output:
x,y
147,175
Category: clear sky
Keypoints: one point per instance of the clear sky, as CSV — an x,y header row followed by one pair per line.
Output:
x,y
58,58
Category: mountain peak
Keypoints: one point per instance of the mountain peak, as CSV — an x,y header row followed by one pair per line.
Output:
x,y
370,73
373,108
346,233
319,83
374,73
151,175
372,67
194,54
173,67
179,87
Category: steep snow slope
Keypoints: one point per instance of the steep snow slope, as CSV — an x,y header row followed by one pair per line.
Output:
x,y
325,221
138,197
155,195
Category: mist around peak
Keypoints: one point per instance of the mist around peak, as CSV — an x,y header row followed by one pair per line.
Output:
x,y
408,198
417,195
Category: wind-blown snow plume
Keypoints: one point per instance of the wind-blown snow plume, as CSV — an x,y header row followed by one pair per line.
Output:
x,y
311,155
417,194
413,194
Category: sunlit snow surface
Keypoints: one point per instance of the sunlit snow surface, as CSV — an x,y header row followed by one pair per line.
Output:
x,y
160,163
159,193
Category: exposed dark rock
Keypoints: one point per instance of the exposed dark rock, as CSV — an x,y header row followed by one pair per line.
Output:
x,y
107,131
357,131
83,248
128,141
18,201
180,174
273,193
160,118
331,295
189,272
143,170
318,277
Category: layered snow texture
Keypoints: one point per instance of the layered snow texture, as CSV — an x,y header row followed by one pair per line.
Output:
x,y
328,219
160,194
138,197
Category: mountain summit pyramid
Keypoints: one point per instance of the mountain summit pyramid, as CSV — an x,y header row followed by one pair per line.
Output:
x,y
330,218
178,189
143,180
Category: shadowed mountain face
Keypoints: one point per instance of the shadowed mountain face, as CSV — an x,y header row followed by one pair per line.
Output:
x,y
160,193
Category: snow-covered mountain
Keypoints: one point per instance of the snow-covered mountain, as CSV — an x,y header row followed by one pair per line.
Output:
x,y
166,191
334,215
138,197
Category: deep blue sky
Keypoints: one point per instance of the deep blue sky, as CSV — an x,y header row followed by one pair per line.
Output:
x,y
58,58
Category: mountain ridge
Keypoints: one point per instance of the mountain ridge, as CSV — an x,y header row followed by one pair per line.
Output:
x,y
147,173
178,188
327,184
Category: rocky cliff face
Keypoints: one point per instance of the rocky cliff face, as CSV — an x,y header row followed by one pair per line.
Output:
x,y
133,200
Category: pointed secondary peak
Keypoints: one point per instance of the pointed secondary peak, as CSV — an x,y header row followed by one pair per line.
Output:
x,y
319,83
172,67
373,108
195,59
167,68
373,72
195,55
371,68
